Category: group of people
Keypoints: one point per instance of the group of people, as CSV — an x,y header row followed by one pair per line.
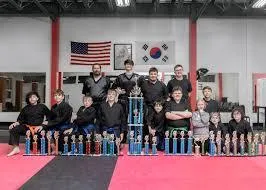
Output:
x,y
105,108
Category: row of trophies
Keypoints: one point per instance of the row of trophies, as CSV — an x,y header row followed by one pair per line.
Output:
x,y
217,146
103,145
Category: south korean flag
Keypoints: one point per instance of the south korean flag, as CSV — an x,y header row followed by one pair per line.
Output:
x,y
155,53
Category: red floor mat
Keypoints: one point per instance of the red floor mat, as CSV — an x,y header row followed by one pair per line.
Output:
x,y
188,173
16,170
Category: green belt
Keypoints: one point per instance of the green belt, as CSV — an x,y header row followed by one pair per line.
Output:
x,y
178,129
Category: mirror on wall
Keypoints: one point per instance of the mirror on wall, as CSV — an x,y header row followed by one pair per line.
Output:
x,y
15,86
259,90
225,89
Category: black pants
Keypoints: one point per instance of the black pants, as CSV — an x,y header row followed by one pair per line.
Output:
x,y
15,133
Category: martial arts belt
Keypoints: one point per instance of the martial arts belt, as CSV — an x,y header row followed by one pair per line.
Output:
x,y
178,129
32,129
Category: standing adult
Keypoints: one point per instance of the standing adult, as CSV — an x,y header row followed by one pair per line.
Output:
x,y
96,86
180,81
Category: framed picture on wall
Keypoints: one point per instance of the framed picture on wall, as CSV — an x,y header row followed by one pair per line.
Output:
x,y
121,53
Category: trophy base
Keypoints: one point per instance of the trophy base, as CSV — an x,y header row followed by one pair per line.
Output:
x,y
35,155
178,154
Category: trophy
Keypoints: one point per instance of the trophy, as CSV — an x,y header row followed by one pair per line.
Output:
x,y
175,142
146,143
80,144
105,140
88,144
202,140
212,145
154,144
227,145
97,144
234,141
117,142
65,145
34,148
262,137
73,144
182,142
249,138
49,137
219,143
197,147
111,144
43,142
56,137
131,143
256,145
139,144
189,142
242,144
27,143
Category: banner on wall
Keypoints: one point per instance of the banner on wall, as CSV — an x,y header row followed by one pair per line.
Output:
x,y
90,53
155,53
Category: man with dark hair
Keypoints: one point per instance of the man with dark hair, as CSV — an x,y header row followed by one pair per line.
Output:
x,y
125,82
211,105
179,80
152,90
96,86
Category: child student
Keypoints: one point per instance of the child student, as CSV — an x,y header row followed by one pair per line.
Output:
x,y
30,118
200,122
60,117
156,123
112,116
238,123
86,116
216,125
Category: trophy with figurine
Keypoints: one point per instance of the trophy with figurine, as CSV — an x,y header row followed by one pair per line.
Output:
x,y
88,144
80,145
219,143
227,145
242,144
43,143
154,144
189,142
56,137
65,151
166,143
234,141
27,143
35,144
146,145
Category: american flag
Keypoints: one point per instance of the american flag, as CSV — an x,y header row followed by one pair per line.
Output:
x,y
90,53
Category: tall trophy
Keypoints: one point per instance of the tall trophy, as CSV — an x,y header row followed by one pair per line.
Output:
x,y
56,137
34,148
49,137
146,144
154,144
111,144
174,142
131,142
80,143
88,144
73,144
166,142
27,143
105,141
249,138
43,142
182,142
197,147
262,138
242,144
135,118
234,141
117,142
65,152
227,145
189,142
219,143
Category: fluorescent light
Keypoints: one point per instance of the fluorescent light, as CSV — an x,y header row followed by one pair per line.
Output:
x,y
259,4
122,3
